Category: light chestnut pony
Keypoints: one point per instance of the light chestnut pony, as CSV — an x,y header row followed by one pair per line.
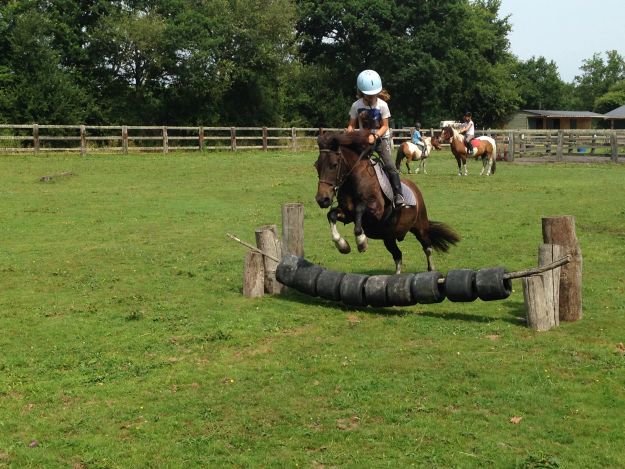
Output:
x,y
412,152
483,147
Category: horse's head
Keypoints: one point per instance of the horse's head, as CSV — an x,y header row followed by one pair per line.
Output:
x,y
448,133
436,143
328,167
338,154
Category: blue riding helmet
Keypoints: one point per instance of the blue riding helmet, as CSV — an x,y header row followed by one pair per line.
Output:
x,y
369,82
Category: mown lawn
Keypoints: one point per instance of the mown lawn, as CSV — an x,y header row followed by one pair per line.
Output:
x,y
125,340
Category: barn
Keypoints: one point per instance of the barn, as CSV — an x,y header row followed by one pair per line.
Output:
x,y
616,118
553,119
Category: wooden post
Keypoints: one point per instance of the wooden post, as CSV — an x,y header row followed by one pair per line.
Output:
x,y
593,143
548,253
537,304
233,139
267,240
165,140
560,145
293,139
253,275
293,229
614,147
264,138
510,146
124,138
201,138
83,140
35,138
561,230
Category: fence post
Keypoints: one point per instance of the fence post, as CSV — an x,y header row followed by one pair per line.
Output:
x,y
264,138
593,142
560,145
201,138
233,139
35,138
124,139
293,229
614,147
165,141
510,146
83,140
293,139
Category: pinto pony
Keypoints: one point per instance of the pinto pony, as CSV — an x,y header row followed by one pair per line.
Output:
x,y
484,147
411,152
347,174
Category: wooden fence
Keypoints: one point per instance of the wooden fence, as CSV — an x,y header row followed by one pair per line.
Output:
x,y
557,145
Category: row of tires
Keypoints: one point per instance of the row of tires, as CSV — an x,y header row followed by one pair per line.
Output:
x,y
460,285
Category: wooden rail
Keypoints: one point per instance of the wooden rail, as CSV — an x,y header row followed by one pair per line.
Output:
x,y
558,145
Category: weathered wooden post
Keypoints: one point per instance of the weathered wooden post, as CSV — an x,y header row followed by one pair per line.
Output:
x,y
253,275
265,139
560,145
35,138
614,147
510,146
267,240
83,140
233,139
293,229
561,230
201,138
537,304
165,140
124,139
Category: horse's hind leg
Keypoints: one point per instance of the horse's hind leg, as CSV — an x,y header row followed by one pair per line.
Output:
x,y
426,244
484,163
391,246
341,243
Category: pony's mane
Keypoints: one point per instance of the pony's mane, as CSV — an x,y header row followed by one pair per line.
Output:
x,y
455,134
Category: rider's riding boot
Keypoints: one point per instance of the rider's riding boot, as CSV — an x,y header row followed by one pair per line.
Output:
x,y
469,147
398,198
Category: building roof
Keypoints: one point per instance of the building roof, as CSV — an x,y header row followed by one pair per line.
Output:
x,y
573,114
618,113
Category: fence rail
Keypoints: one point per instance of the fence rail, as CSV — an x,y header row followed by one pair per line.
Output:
x,y
36,138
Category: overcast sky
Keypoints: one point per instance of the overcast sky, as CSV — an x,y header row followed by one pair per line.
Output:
x,y
565,31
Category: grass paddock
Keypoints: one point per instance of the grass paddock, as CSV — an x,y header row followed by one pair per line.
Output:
x,y
126,341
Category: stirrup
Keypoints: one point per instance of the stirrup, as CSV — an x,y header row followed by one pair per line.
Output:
x,y
399,201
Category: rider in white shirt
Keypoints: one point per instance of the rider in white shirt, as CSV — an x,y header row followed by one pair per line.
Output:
x,y
468,130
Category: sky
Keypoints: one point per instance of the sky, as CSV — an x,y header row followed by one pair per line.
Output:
x,y
565,31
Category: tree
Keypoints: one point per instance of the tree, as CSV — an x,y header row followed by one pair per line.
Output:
x,y
615,97
597,77
539,84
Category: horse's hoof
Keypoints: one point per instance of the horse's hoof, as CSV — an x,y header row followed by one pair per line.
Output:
x,y
343,246
362,247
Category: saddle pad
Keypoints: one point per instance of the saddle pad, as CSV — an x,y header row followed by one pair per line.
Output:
x,y
385,185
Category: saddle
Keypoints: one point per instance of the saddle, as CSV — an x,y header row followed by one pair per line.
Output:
x,y
385,184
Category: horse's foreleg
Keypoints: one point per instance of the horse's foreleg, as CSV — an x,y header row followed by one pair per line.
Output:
x,y
391,246
361,237
341,244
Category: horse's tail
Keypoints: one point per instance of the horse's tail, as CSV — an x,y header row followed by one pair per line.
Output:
x,y
442,236
400,156
494,166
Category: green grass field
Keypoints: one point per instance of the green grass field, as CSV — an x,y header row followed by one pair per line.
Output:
x,y
126,342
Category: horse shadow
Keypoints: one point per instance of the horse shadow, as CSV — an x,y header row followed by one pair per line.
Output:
x,y
514,315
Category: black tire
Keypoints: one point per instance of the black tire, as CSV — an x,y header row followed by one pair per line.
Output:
x,y
375,290
460,285
287,267
426,289
305,278
329,284
398,290
491,285
353,289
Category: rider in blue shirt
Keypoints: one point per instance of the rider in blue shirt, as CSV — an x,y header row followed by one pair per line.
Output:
x,y
417,138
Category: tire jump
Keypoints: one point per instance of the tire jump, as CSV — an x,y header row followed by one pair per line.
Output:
x,y
460,285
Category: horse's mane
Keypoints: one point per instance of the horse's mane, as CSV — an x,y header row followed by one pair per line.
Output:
x,y
355,140
454,132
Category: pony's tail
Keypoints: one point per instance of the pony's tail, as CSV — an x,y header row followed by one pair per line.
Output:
x,y
400,155
494,166
442,236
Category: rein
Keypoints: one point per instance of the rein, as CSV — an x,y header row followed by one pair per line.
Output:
x,y
341,180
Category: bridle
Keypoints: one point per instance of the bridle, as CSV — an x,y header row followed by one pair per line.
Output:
x,y
336,185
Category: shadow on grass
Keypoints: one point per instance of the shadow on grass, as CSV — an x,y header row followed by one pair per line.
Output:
x,y
515,313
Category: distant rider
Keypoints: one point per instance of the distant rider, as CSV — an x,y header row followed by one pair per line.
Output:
x,y
468,130
417,139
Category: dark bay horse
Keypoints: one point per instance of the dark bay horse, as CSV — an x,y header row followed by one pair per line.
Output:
x,y
484,147
346,172
410,152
